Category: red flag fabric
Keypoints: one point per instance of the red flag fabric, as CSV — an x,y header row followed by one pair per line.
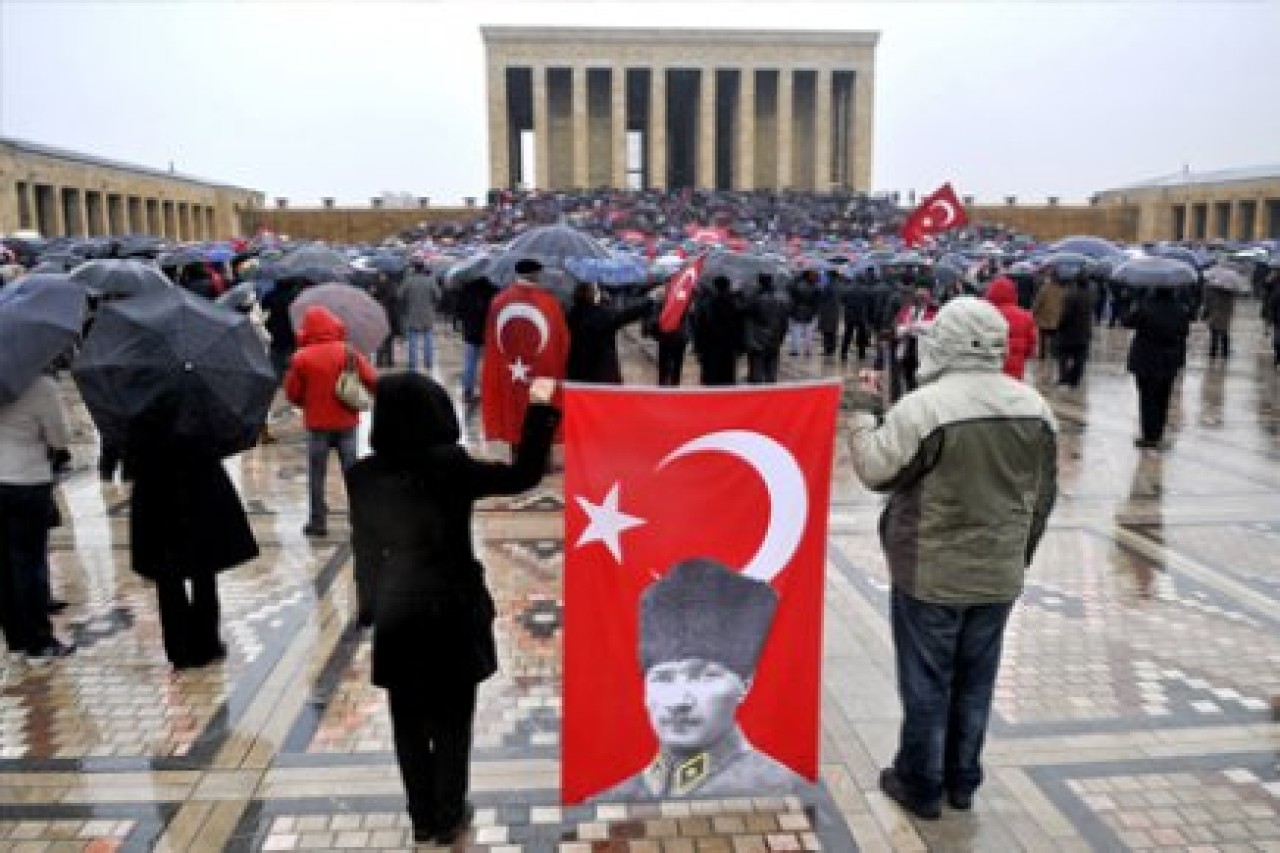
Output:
x,y
939,211
654,477
679,295
525,337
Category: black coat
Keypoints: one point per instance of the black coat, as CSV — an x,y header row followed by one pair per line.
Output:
x,y
473,309
1161,324
593,340
418,578
186,519
765,322
1075,326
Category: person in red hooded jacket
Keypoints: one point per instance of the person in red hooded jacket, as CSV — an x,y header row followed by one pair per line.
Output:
x,y
309,384
1003,294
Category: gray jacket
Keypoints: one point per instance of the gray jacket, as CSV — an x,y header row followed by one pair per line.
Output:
x,y
419,295
969,460
29,427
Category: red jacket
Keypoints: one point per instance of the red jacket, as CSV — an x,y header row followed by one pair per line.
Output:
x,y
1003,294
313,372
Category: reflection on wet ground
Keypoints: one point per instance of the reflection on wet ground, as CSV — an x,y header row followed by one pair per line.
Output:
x,y
1135,709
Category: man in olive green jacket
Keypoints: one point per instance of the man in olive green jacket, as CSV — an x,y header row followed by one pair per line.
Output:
x,y
969,461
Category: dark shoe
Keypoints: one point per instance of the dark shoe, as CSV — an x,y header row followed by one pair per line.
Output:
x,y
449,837
315,530
1145,444
960,800
49,652
55,606
895,790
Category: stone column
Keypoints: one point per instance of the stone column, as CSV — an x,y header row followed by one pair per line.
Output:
x,y
745,179
541,129
581,140
706,177
25,199
618,125
658,129
1260,218
863,104
499,165
82,212
786,126
822,132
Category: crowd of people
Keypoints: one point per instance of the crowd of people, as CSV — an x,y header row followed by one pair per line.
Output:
x,y
940,360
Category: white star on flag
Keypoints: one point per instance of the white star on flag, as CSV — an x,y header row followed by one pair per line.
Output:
x,y
607,523
519,370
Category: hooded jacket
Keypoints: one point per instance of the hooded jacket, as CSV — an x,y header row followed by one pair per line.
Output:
x,y
313,372
969,461
1003,294
417,577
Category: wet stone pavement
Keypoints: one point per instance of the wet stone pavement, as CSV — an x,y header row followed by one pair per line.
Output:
x,y
1136,707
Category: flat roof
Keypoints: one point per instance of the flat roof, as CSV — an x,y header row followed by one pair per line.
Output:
x,y
56,153
1217,176
677,35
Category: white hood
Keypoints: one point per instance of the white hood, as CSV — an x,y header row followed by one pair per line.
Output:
x,y
968,334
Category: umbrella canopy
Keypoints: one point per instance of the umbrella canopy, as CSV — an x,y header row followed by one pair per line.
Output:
x,y
552,245
119,279
181,257
40,317
365,319
316,264
1093,247
1179,253
743,271
1225,278
1066,264
240,297
1155,272
172,354
388,262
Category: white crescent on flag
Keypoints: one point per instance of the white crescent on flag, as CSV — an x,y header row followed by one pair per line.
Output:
x,y
783,480
528,312
948,213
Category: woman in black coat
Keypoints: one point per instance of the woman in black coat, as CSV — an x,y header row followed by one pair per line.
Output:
x,y
419,584
186,524
593,335
1075,332
1158,351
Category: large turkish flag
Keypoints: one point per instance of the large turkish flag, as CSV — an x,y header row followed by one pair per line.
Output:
x,y
939,211
525,337
657,476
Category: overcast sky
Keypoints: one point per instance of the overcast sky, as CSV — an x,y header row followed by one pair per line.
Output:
x,y
308,99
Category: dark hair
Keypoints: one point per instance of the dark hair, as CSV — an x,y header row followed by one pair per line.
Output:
x,y
411,415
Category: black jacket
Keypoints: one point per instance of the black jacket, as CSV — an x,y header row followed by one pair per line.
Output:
x,y
1161,324
593,340
765,322
473,309
418,579
1075,327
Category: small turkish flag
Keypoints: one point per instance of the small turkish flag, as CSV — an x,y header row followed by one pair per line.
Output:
x,y
655,478
940,211
525,337
679,295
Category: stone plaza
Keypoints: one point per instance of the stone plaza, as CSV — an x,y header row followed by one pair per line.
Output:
x,y
1136,707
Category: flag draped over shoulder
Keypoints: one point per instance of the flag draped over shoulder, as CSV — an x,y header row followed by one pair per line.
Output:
x,y
940,211
679,295
657,477
525,337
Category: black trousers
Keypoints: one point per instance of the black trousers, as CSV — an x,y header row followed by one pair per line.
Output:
x,y
719,369
762,367
1071,361
189,619
1219,344
24,567
1154,393
432,730
671,361
854,331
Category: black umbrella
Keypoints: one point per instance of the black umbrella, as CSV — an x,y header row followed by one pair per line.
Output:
x,y
743,270
389,263
60,261
1066,265
1093,247
1178,253
40,317
239,298
551,245
119,279
169,352
1155,272
181,257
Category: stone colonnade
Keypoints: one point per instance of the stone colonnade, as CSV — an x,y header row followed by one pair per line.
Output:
x,y
709,109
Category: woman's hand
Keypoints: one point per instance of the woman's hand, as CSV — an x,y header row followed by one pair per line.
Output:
x,y
542,390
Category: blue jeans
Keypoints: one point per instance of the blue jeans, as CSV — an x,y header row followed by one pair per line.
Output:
x,y
947,658
418,341
471,355
318,444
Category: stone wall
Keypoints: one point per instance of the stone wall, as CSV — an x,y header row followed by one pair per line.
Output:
x,y
1053,221
351,224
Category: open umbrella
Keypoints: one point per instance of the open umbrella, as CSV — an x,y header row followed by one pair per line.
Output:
x,y
119,279
1155,272
1093,247
169,352
40,317
1225,278
365,319
1066,265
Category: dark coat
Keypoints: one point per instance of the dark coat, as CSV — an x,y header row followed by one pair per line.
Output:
x,y
473,309
765,322
1161,324
1075,323
717,331
829,309
186,519
418,579
593,340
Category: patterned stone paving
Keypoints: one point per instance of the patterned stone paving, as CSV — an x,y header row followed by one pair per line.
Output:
x,y
1136,707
